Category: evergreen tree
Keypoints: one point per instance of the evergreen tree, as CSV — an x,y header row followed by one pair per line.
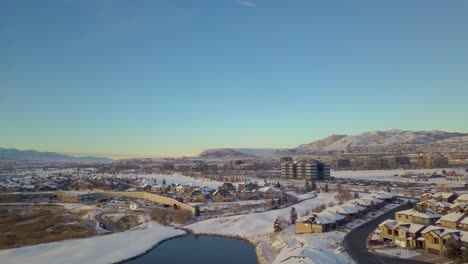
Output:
x,y
326,187
313,186
278,185
277,226
307,186
164,182
356,195
197,211
409,204
388,189
293,216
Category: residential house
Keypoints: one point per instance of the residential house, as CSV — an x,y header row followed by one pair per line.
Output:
x,y
459,207
198,196
248,195
439,196
462,198
315,223
451,220
463,224
160,188
424,217
436,238
222,196
248,186
227,186
406,235
270,192
440,207
386,229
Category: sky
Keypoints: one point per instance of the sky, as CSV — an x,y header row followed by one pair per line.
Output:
x,y
172,78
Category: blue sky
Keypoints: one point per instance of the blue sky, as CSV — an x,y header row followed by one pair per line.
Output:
x,y
159,78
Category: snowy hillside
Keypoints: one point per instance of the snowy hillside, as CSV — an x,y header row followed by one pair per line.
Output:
x,y
383,138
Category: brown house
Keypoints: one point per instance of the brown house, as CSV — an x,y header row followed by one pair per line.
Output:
x,y
451,220
436,239
222,196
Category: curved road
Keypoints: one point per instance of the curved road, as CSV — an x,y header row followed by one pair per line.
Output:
x,y
355,242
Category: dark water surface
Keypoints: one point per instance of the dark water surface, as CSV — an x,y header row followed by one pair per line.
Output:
x,y
200,249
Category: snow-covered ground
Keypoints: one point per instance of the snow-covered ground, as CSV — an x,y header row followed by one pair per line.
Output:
x,y
388,175
398,252
255,223
99,250
177,178
258,228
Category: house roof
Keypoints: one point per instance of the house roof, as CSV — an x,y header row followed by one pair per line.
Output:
x,y
463,197
452,217
317,219
428,213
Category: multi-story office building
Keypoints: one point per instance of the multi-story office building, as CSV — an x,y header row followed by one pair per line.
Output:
x,y
312,170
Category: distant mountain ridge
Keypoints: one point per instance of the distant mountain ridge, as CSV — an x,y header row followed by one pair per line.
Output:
x,y
334,143
15,154
384,138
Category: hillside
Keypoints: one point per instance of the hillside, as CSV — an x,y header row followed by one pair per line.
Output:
x,y
15,154
382,138
373,141
225,153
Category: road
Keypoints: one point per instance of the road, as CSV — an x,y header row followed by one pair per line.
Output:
x,y
355,243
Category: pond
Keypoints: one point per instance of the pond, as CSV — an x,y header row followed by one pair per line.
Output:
x,y
199,249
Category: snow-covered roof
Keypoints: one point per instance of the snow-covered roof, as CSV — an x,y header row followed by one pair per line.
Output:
x,y
390,223
299,255
332,215
317,219
428,213
463,197
269,189
451,217
442,231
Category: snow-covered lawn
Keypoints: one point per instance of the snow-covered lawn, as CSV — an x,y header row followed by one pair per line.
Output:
x,y
255,223
99,250
398,252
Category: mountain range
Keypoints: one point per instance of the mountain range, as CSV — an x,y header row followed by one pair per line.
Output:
x,y
379,141
15,154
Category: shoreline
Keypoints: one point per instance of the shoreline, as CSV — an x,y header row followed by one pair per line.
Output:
x,y
258,254
151,248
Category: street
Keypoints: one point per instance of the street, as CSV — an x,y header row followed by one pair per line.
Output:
x,y
355,243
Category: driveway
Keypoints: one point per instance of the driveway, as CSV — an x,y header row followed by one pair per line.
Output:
x,y
355,242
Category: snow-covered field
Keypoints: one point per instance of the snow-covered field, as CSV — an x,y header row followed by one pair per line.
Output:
x,y
255,223
177,178
99,250
388,175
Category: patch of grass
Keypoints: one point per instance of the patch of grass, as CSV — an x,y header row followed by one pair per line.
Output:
x,y
24,226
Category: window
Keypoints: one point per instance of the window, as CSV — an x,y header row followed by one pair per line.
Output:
x,y
443,241
436,240
389,231
396,233
406,217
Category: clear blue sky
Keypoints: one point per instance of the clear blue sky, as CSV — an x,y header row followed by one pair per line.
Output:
x,y
176,77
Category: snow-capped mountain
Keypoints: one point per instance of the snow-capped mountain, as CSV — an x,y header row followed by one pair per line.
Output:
x,y
382,138
373,141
